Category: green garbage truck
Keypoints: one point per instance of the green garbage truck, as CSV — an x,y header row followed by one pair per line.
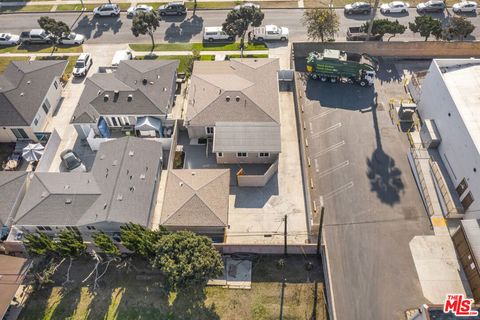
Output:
x,y
341,66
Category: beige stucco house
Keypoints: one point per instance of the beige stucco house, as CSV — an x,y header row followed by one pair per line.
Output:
x,y
235,104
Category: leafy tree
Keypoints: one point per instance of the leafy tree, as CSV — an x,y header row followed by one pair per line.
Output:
x,y
238,22
384,26
106,245
458,27
55,28
141,240
194,57
146,23
321,24
187,259
70,245
426,26
39,244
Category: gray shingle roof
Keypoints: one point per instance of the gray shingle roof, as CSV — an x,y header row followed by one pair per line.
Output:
x,y
150,97
247,137
239,90
196,198
11,184
23,87
119,188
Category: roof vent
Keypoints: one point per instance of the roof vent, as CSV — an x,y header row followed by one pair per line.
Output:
x,y
164,89
44,194
142,176
130,97
105,97
158,76
105,206
102,157
180,184
237,98
132,188
66,187
119,197
227,98
144,81
115,162
28,82
99,92
151,82
22,94
193,173
131,153
68,201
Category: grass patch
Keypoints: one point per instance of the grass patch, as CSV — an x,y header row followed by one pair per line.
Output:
x,y
70,65
5,61
184,60
88,7
41,48
32,8
248,56
199,46
123,295
341,3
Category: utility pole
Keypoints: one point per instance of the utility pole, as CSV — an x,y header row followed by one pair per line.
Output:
x,y
320,226
285,236
370,24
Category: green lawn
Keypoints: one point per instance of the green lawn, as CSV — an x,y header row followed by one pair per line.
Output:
x,y
41,48
184,59
70,65
89,6
129,295
199,46
5,61
32,8
249,56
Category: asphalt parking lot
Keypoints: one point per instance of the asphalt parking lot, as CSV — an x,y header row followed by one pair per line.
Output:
x,y
372,205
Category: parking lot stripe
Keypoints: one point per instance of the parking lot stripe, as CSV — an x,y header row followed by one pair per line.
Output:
x,y
329,129
338,190
328,171
331,148
323,114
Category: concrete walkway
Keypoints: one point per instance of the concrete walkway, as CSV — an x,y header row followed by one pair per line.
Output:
x,y
61,2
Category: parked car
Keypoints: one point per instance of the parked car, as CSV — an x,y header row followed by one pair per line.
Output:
x,y
431,6
83,64
172,8
358,7
465,6
38,36
394,7
72,161
8,39
121,55
247,5
132,11
358,34
270,32
107,10
211,34
72,38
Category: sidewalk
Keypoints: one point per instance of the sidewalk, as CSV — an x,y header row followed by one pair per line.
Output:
x,y
133,2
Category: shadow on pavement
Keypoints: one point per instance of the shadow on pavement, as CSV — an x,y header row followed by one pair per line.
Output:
x,y
184,31
94,27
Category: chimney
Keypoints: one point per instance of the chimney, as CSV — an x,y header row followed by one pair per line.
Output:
x,y
105,97
237,98
130,98
227,98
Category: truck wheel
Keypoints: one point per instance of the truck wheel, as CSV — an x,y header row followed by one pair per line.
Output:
x,y
283,39
162,13
260,39
362,83
333,80
323,79
210,39
230,39
314,76
404,11
366,12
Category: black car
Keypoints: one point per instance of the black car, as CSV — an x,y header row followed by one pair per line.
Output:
x,y
358,7
172,9
431,6
72,161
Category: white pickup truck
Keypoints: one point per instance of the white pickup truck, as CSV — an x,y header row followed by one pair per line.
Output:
x,y
270,32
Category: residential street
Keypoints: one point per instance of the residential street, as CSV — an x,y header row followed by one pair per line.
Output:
x,y
181,29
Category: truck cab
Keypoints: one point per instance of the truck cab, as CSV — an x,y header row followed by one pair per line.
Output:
x,y
270,32
36,36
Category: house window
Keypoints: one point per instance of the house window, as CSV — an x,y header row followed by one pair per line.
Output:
x,y
47,228
462,187
40,228
20,134
90,227
242,154
467,201
114,122
44,228
55,84
46,106
220,154
209,130
264,154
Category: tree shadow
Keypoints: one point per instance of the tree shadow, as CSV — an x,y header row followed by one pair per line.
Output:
x,y
184,31
387,72
94,27
385,177
190,304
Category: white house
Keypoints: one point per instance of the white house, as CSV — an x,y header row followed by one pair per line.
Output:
x,y
29,93
450,97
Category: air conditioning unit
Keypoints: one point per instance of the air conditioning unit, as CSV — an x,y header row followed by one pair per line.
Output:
x,y
429,134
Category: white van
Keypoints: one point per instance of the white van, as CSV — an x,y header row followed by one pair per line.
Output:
x,y
121,55
215,33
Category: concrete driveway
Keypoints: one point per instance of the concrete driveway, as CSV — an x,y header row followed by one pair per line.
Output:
x,y
372,206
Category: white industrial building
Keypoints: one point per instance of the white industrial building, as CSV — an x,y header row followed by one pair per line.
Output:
x,y
449,105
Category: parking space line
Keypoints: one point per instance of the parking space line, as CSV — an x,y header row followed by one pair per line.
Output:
x,y
323,114
331,148
311,128
329,129
332,169
338,191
